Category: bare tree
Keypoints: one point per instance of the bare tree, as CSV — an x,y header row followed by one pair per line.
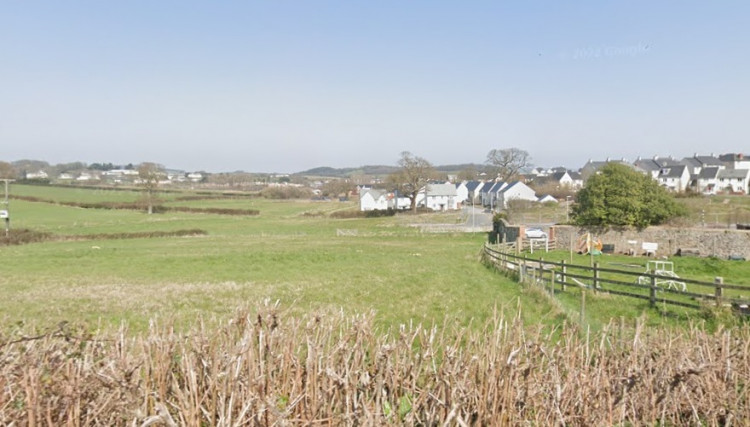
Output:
x,y
149,173
7,171
414,173
507,162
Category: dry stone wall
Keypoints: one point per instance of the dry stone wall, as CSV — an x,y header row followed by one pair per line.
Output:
x,y
707,242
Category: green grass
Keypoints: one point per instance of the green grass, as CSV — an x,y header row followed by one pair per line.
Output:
x,y
290,252
601,305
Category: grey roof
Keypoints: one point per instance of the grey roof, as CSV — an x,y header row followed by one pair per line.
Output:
x,y
374,193
732,173
692,162
472,185
441,190
675,171
709,160
709,172
576,176
495,187
647,165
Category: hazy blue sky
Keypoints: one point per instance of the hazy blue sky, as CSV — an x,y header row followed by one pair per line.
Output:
x,y
289,85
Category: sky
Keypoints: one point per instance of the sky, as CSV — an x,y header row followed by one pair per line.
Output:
x,y
288,85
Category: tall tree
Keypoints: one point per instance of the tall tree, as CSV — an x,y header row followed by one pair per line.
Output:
x,y
507,162
149,174
621,196
413,174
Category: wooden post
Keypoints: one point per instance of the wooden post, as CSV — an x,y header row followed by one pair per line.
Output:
x,y
519,243
564,275
718,281
552,282
596,276
541,271
521,270
652,292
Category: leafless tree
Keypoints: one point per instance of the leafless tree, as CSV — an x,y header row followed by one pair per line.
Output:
x,y
507,162
149,173
7,171
414,173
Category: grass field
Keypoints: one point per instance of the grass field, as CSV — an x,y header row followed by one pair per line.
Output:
x,y
290,252
377,323
293,252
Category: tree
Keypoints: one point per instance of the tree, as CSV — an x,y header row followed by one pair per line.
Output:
x,y
149,173
621,196
337,187
7,171
414,173
468,174
507,162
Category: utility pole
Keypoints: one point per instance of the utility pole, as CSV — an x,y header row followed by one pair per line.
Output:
x,y
5,211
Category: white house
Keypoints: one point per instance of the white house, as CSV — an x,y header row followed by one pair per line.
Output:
x,y
733,180
706,182
675,178
373,200
735,160
462,191
490,193
515,191
439,197
474,189
37,175
398,202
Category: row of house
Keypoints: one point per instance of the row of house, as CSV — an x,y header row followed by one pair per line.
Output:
x,y
448,196
728,173
117,176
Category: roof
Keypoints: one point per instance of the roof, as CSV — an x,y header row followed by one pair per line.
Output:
x,y
499,186
709,172
675,171
376,194
441,190
472,185
733,173
709,160
575,176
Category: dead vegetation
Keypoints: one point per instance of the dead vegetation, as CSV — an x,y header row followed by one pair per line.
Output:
x,y
24,236
265,369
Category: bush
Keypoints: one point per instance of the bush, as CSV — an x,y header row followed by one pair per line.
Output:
x,y
282,193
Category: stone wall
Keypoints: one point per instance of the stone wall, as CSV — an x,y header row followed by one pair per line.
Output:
x,y
708,242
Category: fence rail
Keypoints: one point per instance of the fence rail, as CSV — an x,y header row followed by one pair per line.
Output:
x,y
655,288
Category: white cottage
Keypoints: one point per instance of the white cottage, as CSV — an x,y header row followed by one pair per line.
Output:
x,y
515,191
373,200
440,197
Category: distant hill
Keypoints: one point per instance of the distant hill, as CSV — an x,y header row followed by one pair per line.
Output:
x,y
378,170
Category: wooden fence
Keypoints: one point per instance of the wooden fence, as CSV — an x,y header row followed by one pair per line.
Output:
x,y
558,276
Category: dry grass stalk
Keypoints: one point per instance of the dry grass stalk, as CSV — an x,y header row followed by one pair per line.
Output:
x,y
263,369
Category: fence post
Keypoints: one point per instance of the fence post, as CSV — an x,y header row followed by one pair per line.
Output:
x,y
521,270
564,275
541,271
552,282
718,281
652,292
596,276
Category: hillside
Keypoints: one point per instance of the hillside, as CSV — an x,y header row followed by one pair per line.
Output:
x,y
325,171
